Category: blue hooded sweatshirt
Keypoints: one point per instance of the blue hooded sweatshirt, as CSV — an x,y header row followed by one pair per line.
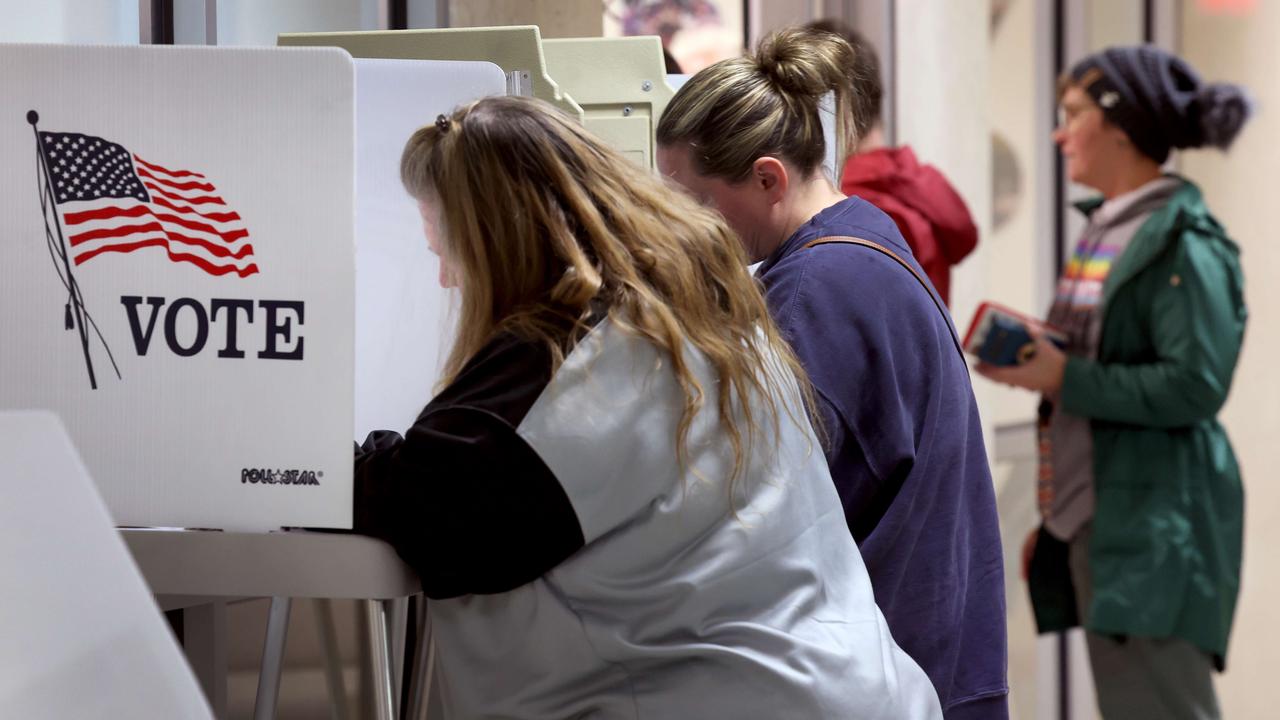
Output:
x,y
904,445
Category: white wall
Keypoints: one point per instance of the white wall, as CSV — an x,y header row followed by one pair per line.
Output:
x,y
942,79
1012,250
69,21
1114,23
554,18
1240,188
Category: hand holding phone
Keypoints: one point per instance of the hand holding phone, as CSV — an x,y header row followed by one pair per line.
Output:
x,y
1003,337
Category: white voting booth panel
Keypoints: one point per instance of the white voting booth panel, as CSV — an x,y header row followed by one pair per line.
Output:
x,y
177,272
402,314
82,636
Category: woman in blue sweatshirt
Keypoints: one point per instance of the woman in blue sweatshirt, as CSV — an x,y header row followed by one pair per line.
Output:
x,y
903,439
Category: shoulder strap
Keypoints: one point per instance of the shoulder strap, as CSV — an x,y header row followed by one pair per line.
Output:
x,y
928,289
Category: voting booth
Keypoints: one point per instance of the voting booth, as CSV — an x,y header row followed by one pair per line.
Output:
x,y
82,636
620,84
176,274
616,86
403,318
212,272
516,49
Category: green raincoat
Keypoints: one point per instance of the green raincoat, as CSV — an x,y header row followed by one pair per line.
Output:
x,y
1168,527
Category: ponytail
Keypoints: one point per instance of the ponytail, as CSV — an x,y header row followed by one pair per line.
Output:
x,y
1224,109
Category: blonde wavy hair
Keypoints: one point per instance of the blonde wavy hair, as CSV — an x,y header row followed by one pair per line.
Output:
x,y
549,226
765,104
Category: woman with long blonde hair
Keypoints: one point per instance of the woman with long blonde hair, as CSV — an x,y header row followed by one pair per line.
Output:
x,y
904,440
615,502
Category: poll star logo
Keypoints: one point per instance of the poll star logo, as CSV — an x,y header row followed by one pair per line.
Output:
x,y
96,197
268,476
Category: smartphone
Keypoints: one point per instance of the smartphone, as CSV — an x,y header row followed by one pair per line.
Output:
x,y
1001,336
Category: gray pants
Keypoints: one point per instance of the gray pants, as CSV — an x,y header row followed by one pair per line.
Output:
x,y
1140,678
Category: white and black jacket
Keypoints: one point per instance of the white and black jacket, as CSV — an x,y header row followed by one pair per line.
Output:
x,y
579,570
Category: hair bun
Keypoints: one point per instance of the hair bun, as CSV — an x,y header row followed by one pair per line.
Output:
x,y
794,60
1224,109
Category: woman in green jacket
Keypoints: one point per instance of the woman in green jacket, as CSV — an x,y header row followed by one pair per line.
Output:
x,y
1139,491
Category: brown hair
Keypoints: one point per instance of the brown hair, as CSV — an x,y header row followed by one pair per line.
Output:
x,y
765,104
864,73
548,226
1066,81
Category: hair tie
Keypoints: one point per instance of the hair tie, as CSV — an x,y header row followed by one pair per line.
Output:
x,y
443,122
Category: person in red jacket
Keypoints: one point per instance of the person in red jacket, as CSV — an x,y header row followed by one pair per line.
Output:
x,y
932,217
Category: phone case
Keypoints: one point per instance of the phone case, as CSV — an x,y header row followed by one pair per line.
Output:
x,y
1000,336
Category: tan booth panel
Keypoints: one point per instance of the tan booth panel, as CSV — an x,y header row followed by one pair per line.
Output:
x,y
621,85
629,135
516,48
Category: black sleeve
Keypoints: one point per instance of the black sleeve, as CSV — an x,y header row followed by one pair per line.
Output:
x,y
465,501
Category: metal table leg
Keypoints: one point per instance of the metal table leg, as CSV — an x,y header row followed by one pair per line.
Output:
x,y
332,659
380,651
264,707
398,621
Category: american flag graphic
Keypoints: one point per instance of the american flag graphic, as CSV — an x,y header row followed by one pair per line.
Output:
x,y
113,201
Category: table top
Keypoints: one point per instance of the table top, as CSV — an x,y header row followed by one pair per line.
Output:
x,y
190,565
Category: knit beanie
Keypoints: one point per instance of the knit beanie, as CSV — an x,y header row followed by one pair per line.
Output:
x,y
1159,100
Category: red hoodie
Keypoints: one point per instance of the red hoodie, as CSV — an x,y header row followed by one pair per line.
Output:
x,y
933,219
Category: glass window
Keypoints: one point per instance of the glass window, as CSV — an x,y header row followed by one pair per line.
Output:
x,y
69,21
258,22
